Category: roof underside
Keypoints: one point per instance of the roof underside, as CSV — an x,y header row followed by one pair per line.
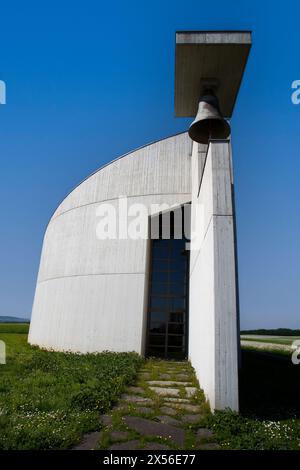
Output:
x,y
202,55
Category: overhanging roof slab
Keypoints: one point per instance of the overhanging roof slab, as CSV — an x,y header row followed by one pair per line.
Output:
x,y
200,55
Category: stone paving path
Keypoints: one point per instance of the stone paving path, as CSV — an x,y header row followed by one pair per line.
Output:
x,y
164,410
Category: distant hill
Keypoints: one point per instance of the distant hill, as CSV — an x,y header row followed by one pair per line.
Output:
x,y
13,320
272,332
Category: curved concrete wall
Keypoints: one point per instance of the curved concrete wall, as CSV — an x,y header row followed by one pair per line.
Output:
x,y
91,294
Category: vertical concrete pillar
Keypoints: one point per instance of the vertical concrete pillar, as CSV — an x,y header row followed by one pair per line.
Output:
x,y
213,339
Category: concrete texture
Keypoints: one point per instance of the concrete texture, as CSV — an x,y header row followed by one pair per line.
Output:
x,y
220,55
213,309
91,294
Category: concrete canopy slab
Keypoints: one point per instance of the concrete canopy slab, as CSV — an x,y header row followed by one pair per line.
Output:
x,y
201,55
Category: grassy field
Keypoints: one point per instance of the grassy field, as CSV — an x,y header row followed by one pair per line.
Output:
x,y
49,399
269,416
14,328
288,340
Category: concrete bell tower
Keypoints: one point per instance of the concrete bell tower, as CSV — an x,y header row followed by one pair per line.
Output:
x,y
210,67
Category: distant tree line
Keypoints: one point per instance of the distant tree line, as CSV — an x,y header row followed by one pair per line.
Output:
x,y
274,332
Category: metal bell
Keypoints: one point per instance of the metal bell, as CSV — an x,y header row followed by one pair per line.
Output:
x,y
209,123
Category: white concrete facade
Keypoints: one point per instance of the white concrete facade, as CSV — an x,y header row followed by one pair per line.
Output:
x,y
213,347
92,295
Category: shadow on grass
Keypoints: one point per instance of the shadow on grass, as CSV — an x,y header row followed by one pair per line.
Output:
x,y
269,386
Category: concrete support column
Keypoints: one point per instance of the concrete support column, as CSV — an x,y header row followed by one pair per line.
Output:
x,y
213,306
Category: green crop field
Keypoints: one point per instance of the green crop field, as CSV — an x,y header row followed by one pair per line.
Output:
x,y
287,340
49,399
14,328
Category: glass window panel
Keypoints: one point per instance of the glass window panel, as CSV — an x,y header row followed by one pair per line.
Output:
x,y
178,247
178,303
168,290
177,288
175,340
160,276
162,244
175,328
177,276
157,327
160,264
176,317
161,288
175,353
156,351
160,303
160,252
156,340
178,264
158,316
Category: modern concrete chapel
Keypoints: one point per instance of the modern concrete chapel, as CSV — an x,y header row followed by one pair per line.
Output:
x,y
174,297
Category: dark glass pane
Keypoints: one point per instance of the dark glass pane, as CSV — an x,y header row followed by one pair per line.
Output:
x,y
157,327
178,303
168,291
158,316
163,244
160,264
156,340
178,264
156,351
175,340
177,288
160,252
160,276
175,353
161,288
177,276
176,317
176,328
178,245
160,303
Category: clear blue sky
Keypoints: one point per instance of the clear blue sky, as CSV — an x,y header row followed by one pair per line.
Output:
x,y
77,71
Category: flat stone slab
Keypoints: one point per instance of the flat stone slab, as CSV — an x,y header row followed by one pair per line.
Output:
x,y
164,392
136,399
164,376
167,410
168,420
106,420
144,410
190,391
182,377
165,383
90,441
177,400
190,419
119,436
186,406
150,428
129,445
204,433
155,446
135,390
209,446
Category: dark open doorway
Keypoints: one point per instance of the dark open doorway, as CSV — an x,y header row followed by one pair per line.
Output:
x,y
167,332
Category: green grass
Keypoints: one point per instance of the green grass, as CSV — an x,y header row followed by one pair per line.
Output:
x,y
269,405
287,340
14,328
49,399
